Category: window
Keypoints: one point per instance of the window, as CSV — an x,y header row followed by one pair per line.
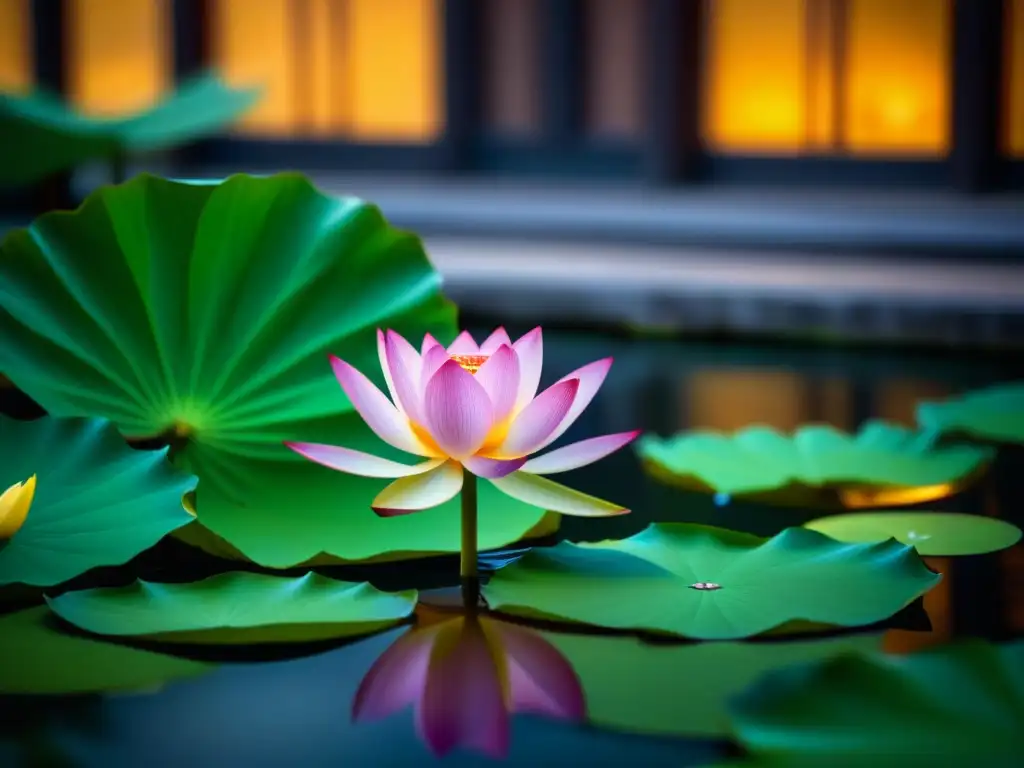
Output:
x,y
512,67
868,77
15,49
118,54
898,88
1015,78
615,75
367,70
754,69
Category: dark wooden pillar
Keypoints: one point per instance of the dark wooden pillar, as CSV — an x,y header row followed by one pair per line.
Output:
x,y
674,39
461,26
977,94
562,49
188,24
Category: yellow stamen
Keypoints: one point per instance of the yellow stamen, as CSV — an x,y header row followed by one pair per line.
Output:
x,y
470,363
14,505
182,429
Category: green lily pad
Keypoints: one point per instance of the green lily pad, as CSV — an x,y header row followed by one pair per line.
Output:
x,y
680,689
817,466
712,584
995,414
40,134
41,659
203,314
287,512
97,501
939,534
962,703
236,608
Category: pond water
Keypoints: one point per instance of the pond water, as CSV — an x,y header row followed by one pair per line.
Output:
x,y
250,710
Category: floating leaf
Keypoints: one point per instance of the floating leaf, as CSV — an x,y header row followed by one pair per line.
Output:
x,y
40,134
712,584
963,704
203,313
680,689
941,534
818,466
995,414
282,513
39,658
236,607
97,501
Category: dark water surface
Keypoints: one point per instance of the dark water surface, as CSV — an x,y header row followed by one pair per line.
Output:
x,y
296,712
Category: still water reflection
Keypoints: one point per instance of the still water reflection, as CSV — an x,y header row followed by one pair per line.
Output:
x,y
553,697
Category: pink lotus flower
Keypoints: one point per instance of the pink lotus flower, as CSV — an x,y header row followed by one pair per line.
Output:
x,y
465,677
472,407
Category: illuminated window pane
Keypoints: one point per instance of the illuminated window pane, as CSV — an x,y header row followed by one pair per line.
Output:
x,y
897,84
362,69
728,400
512,75
394,58
118,54
755,73
252,43
1015,77
15,49
614,73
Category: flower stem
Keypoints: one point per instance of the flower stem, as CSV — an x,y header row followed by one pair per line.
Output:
x,y
467,565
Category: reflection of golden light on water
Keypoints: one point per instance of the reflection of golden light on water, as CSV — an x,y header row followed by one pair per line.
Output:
x,y
730,399
938,605
896,496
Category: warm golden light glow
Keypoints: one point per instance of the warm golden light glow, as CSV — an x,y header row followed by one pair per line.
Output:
x,y
118,54
363,69
14,505
394,63
236,25
470,363
828,76
1015,77
754,76
898,87
15,47
728,400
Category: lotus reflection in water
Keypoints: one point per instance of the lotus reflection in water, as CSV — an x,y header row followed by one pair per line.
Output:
x,y
465,677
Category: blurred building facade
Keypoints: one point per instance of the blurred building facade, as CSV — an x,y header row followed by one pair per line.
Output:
x,y
881,92
644,131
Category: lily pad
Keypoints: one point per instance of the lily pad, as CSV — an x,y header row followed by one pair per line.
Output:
x,y
236,608
712,584
680,689
40,134
203,313
939,534
962,703
994,414
287,512
96,502
41,659
817,466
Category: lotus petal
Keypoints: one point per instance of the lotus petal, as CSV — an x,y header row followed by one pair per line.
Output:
x,y
547,494
579,454
537,420
492,468
423,491
359,463
499,376
529,348
458,411
591,377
